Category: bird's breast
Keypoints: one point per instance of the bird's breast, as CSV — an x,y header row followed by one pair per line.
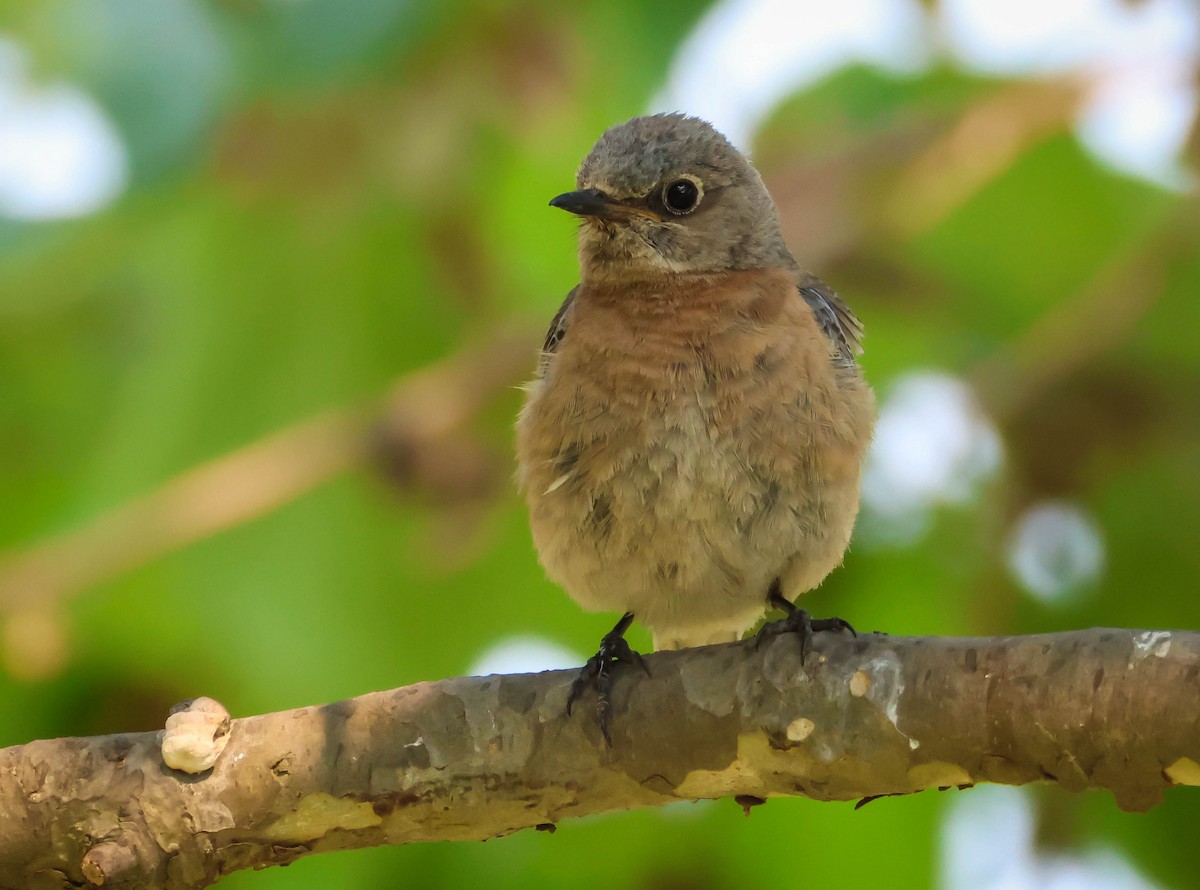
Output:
x,y
688,455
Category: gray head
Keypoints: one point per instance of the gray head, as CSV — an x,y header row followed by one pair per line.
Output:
x,y
668,193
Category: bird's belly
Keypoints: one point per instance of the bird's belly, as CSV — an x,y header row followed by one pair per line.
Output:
x,y
666,514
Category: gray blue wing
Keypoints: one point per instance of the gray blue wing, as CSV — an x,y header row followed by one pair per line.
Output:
x,y
836,319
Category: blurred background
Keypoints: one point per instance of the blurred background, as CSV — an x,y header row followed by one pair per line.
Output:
x,y
271,271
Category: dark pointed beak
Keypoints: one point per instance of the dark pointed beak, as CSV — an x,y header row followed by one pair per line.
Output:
x,y
586,202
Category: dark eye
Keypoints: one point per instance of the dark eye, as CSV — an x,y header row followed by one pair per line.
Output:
x,y
681,196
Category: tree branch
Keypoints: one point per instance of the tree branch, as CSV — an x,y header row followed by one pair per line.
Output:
x,y
483,757
409,430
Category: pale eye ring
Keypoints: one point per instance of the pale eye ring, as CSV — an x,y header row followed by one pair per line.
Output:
x,y
682,195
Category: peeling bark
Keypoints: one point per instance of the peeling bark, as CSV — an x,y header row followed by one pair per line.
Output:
x,y
482,757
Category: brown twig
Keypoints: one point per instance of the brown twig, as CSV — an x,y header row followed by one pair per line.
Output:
x,y
1096,320
983,143
416,418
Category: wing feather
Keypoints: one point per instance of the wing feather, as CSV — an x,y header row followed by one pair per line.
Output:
x,y
557,331
836,319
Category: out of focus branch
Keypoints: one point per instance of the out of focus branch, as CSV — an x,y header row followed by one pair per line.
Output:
x,y
982,144
483,757
410,431
1091,323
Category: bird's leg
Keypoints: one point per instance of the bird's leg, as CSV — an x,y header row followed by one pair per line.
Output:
x,y
597,672
796,621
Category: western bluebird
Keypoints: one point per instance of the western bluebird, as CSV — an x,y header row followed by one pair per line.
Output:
x,y
691,447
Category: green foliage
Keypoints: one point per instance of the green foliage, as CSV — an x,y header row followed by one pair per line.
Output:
x,y
323,201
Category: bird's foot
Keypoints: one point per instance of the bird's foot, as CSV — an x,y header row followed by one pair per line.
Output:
x,y
797,621
597,672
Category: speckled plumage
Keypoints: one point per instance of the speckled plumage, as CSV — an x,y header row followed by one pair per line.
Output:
x,y
698,424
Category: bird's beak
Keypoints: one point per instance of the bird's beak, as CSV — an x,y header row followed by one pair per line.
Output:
x,y
587,202
594,204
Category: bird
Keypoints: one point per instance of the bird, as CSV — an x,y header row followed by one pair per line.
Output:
x,y
690,448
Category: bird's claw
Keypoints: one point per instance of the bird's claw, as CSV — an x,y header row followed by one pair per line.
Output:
x,y
597,671
799,622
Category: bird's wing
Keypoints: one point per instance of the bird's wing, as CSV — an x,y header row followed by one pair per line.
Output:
x,y
836,319
558,330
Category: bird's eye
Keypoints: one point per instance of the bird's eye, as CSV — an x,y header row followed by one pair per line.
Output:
x,y
681,196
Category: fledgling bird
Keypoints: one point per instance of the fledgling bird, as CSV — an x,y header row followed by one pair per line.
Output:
x,y
690,450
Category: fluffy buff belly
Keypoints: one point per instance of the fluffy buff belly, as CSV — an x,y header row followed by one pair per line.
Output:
x,y
682,526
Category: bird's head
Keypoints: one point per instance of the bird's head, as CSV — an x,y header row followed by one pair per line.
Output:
x,y
667,193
